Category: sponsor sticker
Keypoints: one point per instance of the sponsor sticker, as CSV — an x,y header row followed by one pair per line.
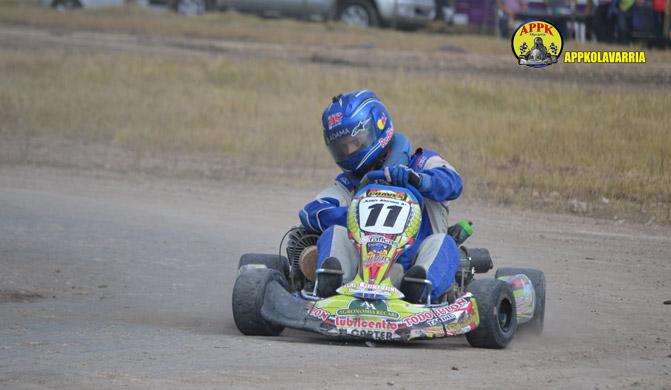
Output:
x,y
362,287
338,134
361,126
367,308
387,137
374,238
385,194
358,323
443,313
382,122
319,313
377,248
371,334
334,120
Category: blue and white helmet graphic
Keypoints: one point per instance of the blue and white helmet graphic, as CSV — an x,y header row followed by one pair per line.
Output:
x,y
357,130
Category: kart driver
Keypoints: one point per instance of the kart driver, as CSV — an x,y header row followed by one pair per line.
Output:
x,y
359,133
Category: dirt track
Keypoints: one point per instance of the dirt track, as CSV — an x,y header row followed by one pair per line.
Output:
x,y
134,277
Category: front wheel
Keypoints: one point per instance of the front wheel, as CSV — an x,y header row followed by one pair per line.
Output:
x,y
248,296
358,13
496,309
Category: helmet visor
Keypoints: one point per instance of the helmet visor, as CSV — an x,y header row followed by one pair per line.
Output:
x,y
360,137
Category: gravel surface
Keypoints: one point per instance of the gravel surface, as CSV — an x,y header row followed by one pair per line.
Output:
x,y
110,280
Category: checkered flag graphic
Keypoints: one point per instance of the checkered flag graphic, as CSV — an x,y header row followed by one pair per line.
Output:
x,y
553,48
523,48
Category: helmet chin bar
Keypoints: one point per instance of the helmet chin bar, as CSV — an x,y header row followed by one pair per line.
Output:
x,y
376,164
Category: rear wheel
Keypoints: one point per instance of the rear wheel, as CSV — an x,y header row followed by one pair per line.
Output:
x,y
248,295
496,309
537,278
276,262
358,13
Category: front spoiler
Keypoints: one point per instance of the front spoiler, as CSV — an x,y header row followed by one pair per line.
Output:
x,y
348,317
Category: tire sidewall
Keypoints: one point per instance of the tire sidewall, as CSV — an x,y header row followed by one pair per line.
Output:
x,y
538,322
242,291
366,6
504,293
537,278
490,295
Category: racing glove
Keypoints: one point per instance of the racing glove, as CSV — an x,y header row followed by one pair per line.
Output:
x,y
320,214
399,175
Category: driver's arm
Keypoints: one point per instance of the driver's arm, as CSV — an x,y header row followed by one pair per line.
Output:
x,y
329,207
440,181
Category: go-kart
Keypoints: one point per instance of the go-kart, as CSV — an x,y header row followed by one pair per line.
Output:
x,y
271,292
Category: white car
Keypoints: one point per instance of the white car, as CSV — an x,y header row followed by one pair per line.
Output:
x,y
70,4
363,13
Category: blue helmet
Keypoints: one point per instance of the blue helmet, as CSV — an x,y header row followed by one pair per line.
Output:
x,y
357,130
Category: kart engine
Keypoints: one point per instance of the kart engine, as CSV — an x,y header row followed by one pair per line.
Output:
x,y
297,240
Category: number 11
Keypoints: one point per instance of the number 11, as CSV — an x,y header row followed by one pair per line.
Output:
x,y
394,211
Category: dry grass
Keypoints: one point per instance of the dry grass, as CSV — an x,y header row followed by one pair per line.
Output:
x,y
570,142
229,25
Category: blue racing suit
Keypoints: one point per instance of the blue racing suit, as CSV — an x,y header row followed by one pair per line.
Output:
x,y
327,214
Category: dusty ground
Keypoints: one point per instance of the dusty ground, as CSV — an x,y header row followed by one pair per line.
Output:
x,y
109,281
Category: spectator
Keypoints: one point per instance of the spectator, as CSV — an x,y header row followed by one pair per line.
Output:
x,y
507,9
557,7
624,11
659,9
600,24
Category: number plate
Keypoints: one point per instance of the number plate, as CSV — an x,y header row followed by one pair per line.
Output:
x,y
383,215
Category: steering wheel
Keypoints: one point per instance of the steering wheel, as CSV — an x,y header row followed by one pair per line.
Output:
x,y
414,181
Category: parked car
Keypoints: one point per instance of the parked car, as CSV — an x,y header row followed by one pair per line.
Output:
x,y
363,13
71,4
189,7
182,6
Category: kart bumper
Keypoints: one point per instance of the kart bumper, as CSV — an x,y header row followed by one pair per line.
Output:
x,y
350,317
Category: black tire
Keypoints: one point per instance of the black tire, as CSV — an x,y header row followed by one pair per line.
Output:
x,y
276,262
363,9
537,278
496,308
248,294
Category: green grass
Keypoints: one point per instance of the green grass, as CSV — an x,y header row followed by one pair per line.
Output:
x,y
513,143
